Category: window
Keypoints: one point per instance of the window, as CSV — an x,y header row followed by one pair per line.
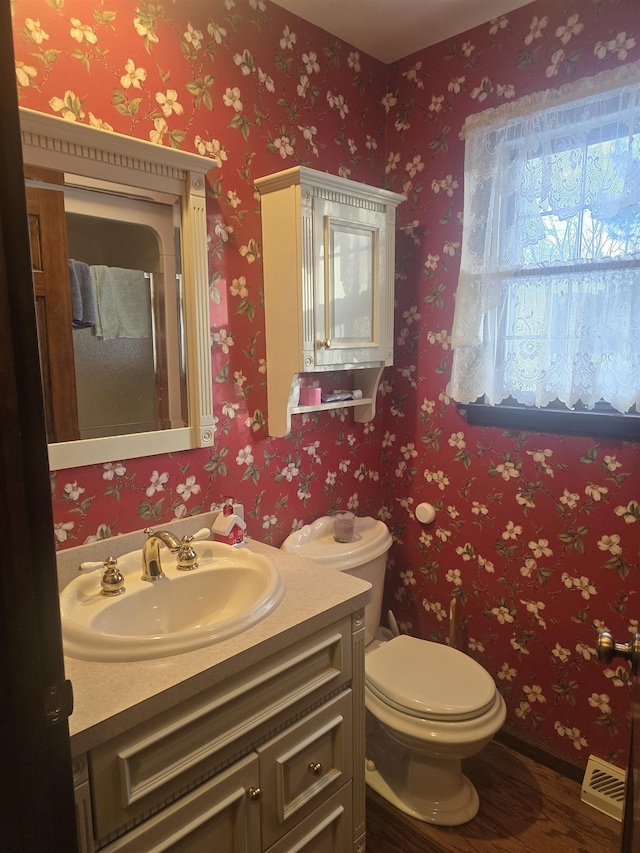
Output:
x,y
548,303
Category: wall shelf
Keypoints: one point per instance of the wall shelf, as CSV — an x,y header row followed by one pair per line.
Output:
x,y
340,404
366,379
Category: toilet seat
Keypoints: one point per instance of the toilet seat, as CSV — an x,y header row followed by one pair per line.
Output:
x,y
429,680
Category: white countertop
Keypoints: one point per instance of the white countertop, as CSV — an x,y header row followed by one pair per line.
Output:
x,y
111,697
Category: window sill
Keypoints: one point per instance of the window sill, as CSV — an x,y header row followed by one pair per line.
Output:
x,y
594,423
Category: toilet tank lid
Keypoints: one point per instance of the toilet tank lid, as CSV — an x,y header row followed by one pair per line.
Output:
x,y
315,541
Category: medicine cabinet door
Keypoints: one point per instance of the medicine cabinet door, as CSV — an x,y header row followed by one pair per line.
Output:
x,y
349,282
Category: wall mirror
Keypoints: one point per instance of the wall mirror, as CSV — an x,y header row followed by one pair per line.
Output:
x,y
119,256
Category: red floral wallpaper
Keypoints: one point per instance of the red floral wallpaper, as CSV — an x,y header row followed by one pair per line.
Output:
x,y
537,536
257,91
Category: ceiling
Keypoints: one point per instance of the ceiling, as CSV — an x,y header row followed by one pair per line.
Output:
x,y
392,29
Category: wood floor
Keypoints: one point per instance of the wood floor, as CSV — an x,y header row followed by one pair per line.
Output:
x,y
524,808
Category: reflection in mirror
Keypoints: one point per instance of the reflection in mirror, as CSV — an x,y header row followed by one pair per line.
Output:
x,y
119,254
351,280
129,370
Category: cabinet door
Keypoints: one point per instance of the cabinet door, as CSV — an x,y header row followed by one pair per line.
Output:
x,y
82,795
349,283
219,815
303,766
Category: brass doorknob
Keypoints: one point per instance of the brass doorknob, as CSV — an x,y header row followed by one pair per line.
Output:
x,y
607,649
327,343
254,794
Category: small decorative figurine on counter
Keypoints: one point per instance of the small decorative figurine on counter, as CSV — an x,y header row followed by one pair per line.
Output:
x,y
229,527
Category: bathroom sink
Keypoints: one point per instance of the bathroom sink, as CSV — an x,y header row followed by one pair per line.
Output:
x,y
231,590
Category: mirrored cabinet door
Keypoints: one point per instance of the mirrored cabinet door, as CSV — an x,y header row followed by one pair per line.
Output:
x,y
347,299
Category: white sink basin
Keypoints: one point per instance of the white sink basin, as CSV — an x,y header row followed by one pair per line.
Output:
x,y
231,589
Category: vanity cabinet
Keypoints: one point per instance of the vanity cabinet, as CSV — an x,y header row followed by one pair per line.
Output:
x,y
328,247
270,759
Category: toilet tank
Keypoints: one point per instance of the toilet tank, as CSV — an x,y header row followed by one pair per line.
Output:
x,y
365,556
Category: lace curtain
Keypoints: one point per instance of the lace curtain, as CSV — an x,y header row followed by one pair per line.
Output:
x,y
548,301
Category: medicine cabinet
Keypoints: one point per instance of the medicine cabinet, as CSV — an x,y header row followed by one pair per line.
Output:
x,y
328,247
129,208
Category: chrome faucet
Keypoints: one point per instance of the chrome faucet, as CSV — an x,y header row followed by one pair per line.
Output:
x,y
151,567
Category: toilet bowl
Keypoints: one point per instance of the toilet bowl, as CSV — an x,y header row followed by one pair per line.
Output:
x,y
420,729
428,706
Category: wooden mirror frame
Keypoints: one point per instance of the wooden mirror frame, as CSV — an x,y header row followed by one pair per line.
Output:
x,y
53,143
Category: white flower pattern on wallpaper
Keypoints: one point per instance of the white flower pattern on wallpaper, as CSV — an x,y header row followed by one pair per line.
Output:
x,y
536,537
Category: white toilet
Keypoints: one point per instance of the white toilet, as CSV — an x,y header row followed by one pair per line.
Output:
x,y
428,705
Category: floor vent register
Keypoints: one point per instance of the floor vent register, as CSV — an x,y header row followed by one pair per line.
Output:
x,y
603,787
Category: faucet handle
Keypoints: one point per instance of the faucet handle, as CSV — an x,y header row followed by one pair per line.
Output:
x,y
203,533
112,582
187,557
91,567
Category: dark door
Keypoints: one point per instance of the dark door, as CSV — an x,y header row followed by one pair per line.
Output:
x,y
48,238
607,650
36,791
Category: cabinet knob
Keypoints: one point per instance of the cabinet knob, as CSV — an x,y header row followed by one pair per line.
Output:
x,y
254,794
327,343
316,768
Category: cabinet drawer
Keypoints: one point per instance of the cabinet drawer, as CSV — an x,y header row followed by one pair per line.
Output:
x,y
218,815
326,830
305,764
153,763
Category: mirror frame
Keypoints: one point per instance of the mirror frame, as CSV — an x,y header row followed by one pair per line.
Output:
x,y
54,143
